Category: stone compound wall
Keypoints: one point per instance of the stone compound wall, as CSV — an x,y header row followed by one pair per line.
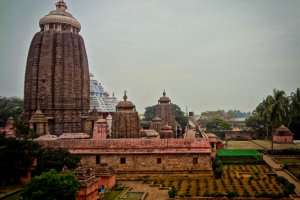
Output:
x,y
148,163
144,156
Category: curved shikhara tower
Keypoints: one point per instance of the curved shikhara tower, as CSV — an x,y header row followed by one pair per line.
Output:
x,y
57,73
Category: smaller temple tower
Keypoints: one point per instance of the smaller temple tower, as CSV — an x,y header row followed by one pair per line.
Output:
x,y
100,129
156,124
39,123
164,110
125,121
166,132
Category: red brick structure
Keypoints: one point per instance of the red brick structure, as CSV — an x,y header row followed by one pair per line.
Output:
x,y
125,121
237,134
57,73
100,130
89,183
165,112
283,135
166,132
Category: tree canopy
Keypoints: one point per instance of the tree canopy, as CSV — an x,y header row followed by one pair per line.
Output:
x,y
55,159
16,158
275,110
10,107
51,185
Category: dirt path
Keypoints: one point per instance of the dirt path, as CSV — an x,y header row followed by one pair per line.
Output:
x,y
280,172
154,193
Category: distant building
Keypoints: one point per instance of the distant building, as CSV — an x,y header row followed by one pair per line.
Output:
x,y
100,100
283,135
238,134
164,110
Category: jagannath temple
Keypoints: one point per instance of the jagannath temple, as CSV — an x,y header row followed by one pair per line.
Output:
x,y
57,82
57,97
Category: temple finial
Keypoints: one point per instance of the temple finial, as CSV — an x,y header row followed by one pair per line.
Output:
x,y
125,95
164,93
61,5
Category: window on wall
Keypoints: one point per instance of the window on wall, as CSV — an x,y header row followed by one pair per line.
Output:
x,y
123,160
98,160
158,160
195,160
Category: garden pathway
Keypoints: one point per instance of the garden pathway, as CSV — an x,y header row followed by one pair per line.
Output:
x,y
154,193
280,172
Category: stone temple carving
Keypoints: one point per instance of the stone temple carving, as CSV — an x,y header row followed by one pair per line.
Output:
x,y
125,122
57,73
165,112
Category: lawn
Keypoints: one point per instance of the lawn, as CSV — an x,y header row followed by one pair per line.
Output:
x,y
112,195
242,145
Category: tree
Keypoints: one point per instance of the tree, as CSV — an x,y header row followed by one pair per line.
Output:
x,y
16,157
217,124
295,113
10,107
51,185
280,109
55,159
271,112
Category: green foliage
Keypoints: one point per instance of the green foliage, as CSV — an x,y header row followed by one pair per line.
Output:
x,y
55,159
10,107
288,188
23,130
172,192
16,158
275,110
232,194
50,186
217,124
218,168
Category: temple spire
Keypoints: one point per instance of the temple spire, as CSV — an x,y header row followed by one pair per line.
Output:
x,y
164,93
125,96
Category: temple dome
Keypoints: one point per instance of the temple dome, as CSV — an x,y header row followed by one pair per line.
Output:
x,y
60,16
164,98
156,119
125,105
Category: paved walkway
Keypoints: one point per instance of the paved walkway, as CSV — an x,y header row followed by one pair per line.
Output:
x,y
269,160
280,172
154,193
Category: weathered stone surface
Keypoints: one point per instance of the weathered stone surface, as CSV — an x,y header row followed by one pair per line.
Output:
x,y
126,121
142,155
57,80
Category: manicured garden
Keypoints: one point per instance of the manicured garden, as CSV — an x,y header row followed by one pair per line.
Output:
x,y
237,180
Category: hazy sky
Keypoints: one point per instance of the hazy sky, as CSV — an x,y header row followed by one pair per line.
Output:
x,y
207,54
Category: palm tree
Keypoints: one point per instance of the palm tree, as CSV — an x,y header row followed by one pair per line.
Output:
x,y
264,110
295,105
280,109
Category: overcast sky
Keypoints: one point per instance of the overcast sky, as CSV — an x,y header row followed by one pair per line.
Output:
x,y
207,54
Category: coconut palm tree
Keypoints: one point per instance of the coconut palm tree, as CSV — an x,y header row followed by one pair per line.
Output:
x,y
280,109
295,105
